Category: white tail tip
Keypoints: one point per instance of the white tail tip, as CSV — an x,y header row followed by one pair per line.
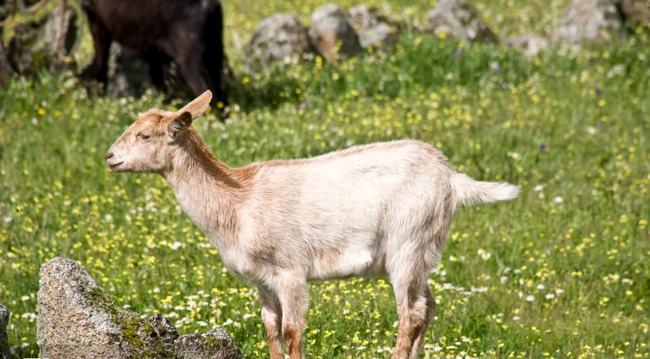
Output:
x,y
469,191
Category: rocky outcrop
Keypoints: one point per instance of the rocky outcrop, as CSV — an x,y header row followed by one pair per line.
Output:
x,y
588,21
374,28
332,35
456,18
280,37
4,343
77,320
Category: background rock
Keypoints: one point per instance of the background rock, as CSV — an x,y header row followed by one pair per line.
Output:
x,y
529,45
456,18
588,21
59,34
76,320
374,29
332,35
4,343
278,38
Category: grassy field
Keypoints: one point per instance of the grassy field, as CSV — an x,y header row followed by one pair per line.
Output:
x,y
562,271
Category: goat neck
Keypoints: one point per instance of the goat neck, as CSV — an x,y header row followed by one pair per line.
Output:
x,y
206,188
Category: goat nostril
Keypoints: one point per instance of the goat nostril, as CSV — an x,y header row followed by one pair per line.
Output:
x,y
109,155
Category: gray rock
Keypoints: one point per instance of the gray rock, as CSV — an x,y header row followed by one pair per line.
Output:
x,y
4,343
588,21
456,18
279,37
76,320
332,35
374,29
59,34
529,45
19,53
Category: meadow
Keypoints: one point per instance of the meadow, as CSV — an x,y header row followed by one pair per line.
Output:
x,y
562,271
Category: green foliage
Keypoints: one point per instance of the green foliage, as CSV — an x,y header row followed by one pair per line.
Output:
x,y
562,271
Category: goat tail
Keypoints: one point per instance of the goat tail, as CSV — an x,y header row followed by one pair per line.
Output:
x,y
468,191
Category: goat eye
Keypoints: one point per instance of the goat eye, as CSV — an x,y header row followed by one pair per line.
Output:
x,y
142,136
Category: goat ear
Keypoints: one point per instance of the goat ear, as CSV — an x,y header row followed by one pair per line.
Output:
x,y
199,105
180,123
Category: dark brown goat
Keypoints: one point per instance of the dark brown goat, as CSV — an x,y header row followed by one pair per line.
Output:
x,y
189,32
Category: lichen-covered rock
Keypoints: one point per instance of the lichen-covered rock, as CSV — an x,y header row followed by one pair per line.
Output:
x,y
332,35
19,53
76,320
588,21
456,18
215,344
46,43
280,37
59,34
529,45
4,343
374,28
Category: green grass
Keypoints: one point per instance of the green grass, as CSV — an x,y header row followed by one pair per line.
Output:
x,y
561,271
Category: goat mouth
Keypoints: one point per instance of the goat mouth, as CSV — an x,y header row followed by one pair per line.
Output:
x,y
114,166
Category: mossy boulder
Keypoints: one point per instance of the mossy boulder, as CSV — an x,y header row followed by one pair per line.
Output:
x,y
76,319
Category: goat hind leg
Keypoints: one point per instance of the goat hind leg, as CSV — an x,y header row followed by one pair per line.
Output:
x,y
411,311
294,299
422,330
272,318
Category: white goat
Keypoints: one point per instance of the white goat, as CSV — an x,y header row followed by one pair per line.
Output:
x,y
378,209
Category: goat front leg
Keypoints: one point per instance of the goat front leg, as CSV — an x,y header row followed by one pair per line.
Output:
x,y
272,318
293,292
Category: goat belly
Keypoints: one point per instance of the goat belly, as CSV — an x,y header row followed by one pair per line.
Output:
x,y
354,257
340,222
